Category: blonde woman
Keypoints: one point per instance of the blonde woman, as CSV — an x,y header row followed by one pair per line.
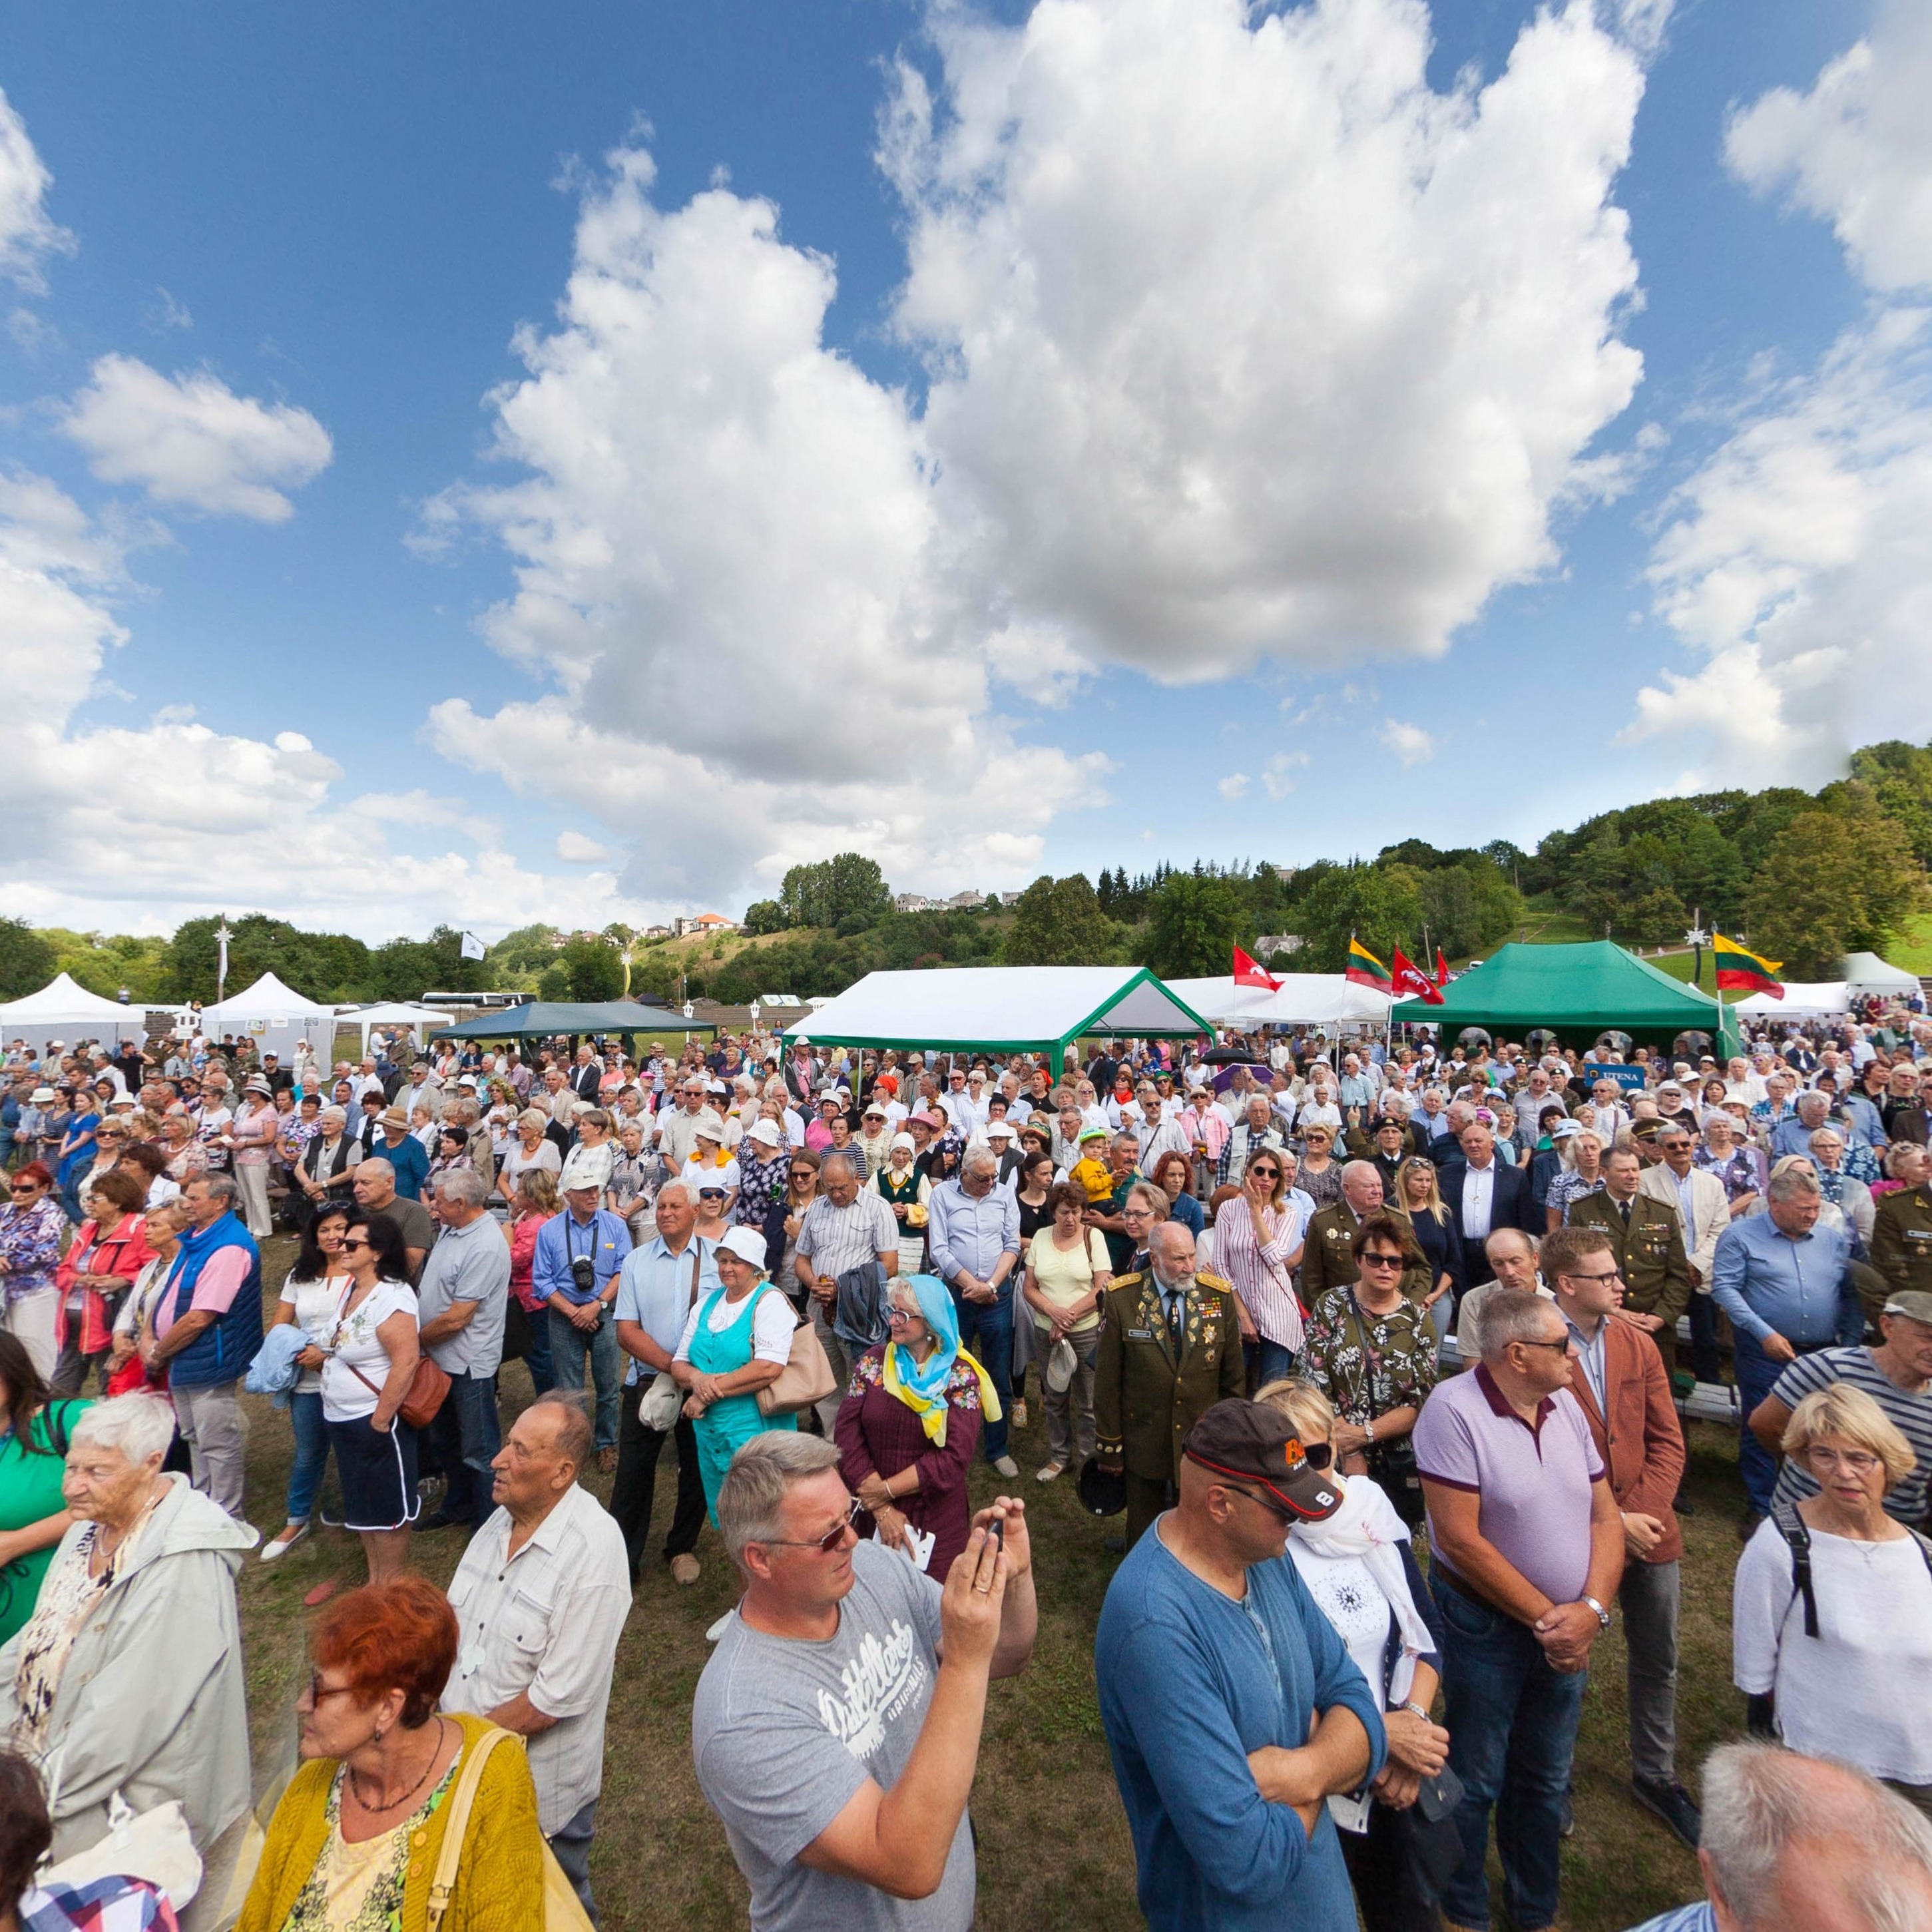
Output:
x,y
1361,1571
1257,1248
1582,1155
1418,1196
1844,1669
532,1148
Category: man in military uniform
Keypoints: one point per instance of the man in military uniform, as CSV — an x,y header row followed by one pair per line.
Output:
x,y
1901,1242
1648,1241
1384,1145
1327,1251
1170,1349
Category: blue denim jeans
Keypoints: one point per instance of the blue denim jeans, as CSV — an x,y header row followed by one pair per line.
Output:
x,y
1756,1373
536,1353
1512,1723
1266,1361
568,1346
570,1845
311,1453
986,1334
464,1436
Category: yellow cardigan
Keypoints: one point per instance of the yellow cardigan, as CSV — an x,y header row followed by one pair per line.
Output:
x,y
498,1884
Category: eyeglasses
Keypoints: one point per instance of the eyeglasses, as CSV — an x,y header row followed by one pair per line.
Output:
x,y
1266,1173
1382,1260
354,1241
826,1544
1562,1348
1614,1274
318,1691
23,1187
1273,1509
1859,1461
902,1314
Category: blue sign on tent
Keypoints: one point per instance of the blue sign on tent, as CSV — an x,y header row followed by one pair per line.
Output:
x,y
1626,1077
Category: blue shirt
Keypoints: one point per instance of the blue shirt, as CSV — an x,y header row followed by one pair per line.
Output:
x,y
1686,1919
410,1158
605,1238
970,1235
654,1291
1190,1682
1767,1283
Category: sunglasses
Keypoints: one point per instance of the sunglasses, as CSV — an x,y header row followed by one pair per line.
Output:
x,y
1379,1260
830,1541
318,1691
354,1241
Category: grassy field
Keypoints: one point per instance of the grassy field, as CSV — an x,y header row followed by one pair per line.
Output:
x,y
1054,1848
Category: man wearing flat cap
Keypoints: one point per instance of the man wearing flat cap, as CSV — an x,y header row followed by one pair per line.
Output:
x,y
1170,1348
1232,1709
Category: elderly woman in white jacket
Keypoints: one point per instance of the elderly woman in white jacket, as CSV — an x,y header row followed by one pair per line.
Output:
x,y
128,1677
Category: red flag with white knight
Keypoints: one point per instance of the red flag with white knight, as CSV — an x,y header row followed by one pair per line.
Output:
x,y
1250,972
1406,976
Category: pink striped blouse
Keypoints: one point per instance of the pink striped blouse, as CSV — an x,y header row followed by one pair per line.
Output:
x,y
1259,1272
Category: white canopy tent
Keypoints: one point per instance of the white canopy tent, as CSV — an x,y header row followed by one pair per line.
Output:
x,y
1867,973
418,1021
65,1010
278,1016
1002,1008
1303,999
1802,999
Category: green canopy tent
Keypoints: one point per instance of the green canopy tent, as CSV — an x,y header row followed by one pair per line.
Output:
x,y
545,1019
1577,992
1001,1008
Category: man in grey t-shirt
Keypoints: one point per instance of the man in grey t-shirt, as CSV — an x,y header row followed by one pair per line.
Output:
x,y
461,1303
837,1724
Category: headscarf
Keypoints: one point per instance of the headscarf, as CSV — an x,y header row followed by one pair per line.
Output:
x,y
923,1389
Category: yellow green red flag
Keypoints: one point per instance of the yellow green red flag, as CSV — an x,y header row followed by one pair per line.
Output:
x,y
1365,969
1741,970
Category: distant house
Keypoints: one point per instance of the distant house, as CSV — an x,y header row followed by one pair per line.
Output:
x,y
705,923
655,932
1269,944
1010,898
780,999
915,902
959,901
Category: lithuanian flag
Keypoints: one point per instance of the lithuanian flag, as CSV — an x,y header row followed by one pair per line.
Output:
x,y
1740,970
1365,969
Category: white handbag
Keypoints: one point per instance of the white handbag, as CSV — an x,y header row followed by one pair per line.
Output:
x,y
155,1844
663,1402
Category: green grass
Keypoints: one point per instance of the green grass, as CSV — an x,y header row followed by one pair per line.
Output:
x,y
1912,950
1546,923
1054,1851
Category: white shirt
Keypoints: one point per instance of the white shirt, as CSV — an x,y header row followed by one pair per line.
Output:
x,y
772,1322
545,1621
1479,1190
1860,1689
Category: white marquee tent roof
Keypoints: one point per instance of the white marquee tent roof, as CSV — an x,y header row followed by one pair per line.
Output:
x,y
1303,999
1800,998
276,1012
64,1006
392,1013
1867,973
1012,1009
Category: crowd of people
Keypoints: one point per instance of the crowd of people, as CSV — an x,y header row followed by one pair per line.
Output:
x,y
1374,1352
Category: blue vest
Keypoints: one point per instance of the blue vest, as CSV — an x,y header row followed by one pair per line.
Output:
x,y
220,1353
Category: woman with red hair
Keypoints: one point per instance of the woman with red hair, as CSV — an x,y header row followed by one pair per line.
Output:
x,y
33,1231
358,1835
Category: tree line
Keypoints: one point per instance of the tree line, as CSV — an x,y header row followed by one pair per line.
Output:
x,y
1802,876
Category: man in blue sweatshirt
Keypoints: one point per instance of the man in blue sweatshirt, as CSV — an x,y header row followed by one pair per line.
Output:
x,y
1232,1706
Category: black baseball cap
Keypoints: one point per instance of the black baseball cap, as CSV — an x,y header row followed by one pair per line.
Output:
x,y
1253,1444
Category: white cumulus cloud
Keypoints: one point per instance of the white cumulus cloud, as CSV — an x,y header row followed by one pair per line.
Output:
x,y
28,233
1794,566
1245,340
731,568
1410,742
1233,786
189,441
575,848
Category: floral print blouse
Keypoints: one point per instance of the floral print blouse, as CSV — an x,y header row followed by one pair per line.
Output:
x,y
329,1902
1368,1364
30,1243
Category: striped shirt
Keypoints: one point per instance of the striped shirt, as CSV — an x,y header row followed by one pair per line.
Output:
x,y
1910,1413
836,1239
1258,1271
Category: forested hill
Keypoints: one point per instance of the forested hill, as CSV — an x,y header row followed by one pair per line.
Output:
x,y
1805,877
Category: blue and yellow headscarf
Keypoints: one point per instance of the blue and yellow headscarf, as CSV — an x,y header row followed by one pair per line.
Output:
x,y
923,1390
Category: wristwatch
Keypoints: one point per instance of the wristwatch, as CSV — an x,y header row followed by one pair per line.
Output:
x,y
1603,1615
1417,1710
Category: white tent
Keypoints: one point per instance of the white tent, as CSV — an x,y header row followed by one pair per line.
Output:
x,y
1801,998
1001,1008
1867,973
65,1010
1303,999
417,1020
278,1016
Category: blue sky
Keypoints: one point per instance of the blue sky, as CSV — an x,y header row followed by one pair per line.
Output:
x,y
467,463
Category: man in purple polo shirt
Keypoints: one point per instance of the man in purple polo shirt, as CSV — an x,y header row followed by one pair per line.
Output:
x,y
1528,1548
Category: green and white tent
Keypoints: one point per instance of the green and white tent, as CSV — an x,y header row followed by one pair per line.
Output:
x,y
1000,1009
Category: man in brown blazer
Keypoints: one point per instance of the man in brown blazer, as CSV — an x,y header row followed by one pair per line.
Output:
x,y
1170,1349
1647,1239
1617,1376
